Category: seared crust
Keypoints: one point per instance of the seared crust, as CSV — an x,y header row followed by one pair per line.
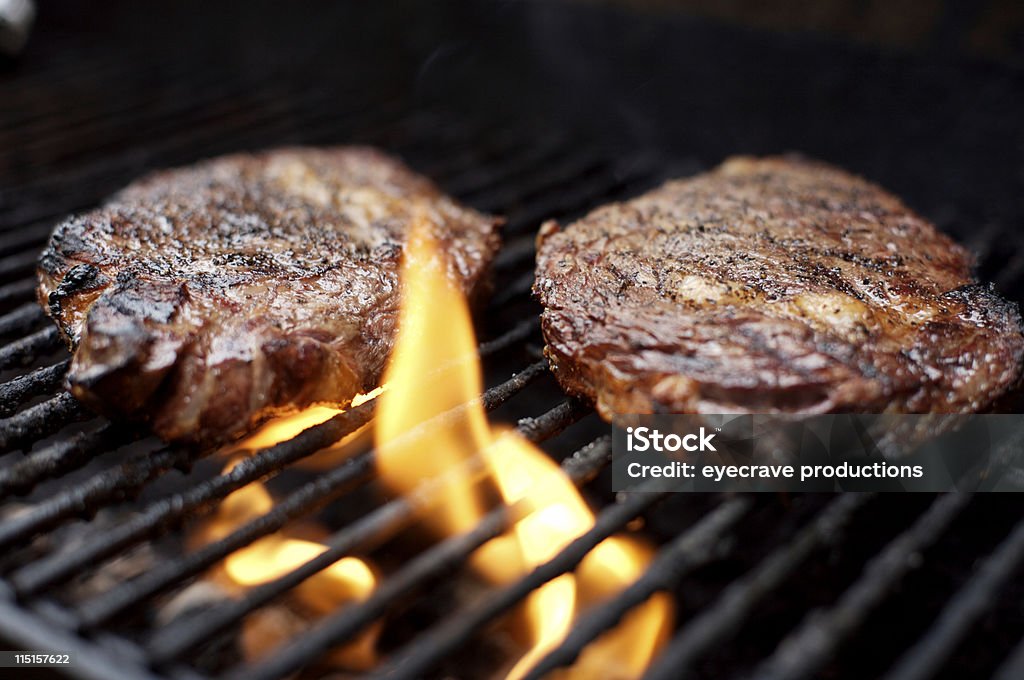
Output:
x,y
771,285
204,299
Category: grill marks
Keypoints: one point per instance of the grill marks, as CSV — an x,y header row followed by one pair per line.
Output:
x,y
774,284
207,298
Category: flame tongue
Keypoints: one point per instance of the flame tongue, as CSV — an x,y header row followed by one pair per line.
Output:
x,y
433,370
347,580
431,377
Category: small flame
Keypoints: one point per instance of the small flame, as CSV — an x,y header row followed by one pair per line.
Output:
x,y
435,331
347,580
283,428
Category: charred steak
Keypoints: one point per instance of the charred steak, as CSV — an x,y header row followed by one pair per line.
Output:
x,y
771,285
206,298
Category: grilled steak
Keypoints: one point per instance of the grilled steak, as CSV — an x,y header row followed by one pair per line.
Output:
x,y
771,285
206,298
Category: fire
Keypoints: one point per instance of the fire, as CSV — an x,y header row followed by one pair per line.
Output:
x,y
436,330
347,580
626,650
284,428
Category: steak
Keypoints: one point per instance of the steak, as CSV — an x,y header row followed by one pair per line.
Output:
x,y
775,285
205,299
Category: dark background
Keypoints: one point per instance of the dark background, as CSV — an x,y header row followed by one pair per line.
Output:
x,y
930,107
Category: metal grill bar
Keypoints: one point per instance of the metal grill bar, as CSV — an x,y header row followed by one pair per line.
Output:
x,y
16,392
18,291
516,163
17,265
28,236
514,252
60,458
258,122
54,569
607,181
302,501
551,174
40,420
87,496
613,180
213,131
21,320
23,352
447,556
110,542
59,124
516,288
423,133
190,95
188,101
673,562
518,333
377,527
91,661
555,196
814,642
507,140
102,608
723,618
584,465
413,660
610,182
926,658
554,421
260,114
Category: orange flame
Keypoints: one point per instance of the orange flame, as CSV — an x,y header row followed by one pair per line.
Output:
x,y
436,330
347,580
283,428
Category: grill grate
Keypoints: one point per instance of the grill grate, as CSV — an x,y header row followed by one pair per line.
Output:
x,y
726,615
767,586
567,182
808,647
